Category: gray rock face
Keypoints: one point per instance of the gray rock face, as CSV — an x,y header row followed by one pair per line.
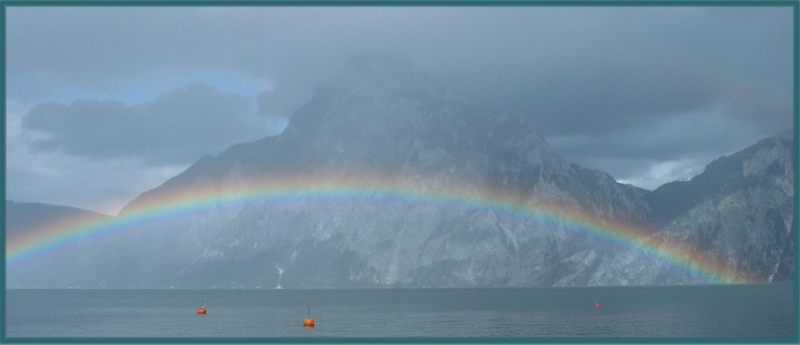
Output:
x,y
380,118
739,208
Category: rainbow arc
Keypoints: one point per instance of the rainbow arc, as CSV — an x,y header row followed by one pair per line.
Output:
x,y
365,188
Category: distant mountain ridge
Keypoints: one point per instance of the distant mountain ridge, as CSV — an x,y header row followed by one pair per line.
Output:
x,y
57,269
739,204
381,117
27,215
677,197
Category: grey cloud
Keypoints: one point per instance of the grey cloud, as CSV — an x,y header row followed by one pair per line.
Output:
x,y
701,131
633,66
607,86
103,186
649,173
177,127
555,63
682,143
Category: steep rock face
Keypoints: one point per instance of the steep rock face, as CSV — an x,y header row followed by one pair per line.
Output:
x,y
738,211
380,118
739,208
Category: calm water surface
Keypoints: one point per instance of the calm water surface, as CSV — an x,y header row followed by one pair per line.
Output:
x,y
704,311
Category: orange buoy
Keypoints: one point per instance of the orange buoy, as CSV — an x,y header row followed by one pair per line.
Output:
x,y
309,322
203,310
597,305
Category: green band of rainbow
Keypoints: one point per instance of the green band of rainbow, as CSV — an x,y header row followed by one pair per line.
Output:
x,y
372,188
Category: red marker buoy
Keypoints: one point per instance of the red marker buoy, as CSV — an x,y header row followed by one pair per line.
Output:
x,y
597,305
309,322
202,310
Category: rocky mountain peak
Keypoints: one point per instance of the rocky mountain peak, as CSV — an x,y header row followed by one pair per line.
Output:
x,y
767,163
382,112
383,118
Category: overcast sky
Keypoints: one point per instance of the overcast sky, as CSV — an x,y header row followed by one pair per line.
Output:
x,y
105,103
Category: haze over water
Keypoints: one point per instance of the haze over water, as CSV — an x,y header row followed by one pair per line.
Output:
x,y
690,311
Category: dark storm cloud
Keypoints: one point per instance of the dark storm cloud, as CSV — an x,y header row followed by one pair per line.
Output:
x,y
671,147
616,88
631,67
705,130
555,62
178,127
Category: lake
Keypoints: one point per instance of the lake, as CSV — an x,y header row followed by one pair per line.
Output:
x,y
681,311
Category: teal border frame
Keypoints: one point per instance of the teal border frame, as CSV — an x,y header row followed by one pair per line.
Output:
x,y
794,4
406,3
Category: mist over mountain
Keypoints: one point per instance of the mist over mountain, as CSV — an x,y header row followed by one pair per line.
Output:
x,y
62,268
380,117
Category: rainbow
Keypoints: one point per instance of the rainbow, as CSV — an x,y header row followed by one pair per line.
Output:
x,y
283,189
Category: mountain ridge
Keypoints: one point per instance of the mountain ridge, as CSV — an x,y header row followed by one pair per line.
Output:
x,y
394,122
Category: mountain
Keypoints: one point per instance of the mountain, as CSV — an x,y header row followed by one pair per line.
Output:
x,y
381,118
382,122
60,268
739,207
